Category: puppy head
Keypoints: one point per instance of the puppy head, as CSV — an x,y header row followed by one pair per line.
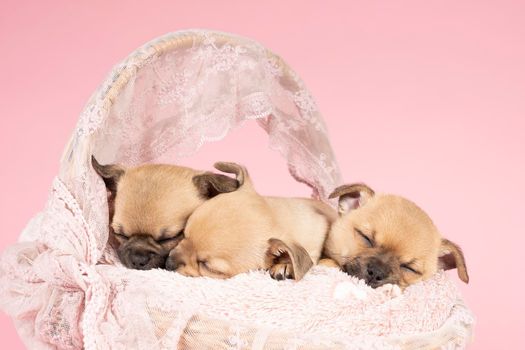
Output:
x,y
231,234
388,239
149,206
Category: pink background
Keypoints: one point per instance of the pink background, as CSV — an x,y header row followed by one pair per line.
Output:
x,y
422,98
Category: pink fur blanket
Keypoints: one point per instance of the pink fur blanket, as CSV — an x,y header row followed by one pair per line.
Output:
x,y
58,302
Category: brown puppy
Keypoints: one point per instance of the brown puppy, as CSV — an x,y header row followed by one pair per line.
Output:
x,y
242,231
387,239
149,206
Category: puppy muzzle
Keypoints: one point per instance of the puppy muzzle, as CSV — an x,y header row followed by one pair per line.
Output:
x,y
374,271
141,259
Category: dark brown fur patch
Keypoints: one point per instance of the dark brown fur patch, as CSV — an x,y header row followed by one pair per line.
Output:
x,y
453,259
109,173
210,185
353,191
232,168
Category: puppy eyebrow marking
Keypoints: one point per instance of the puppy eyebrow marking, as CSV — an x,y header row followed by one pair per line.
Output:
x,y
166,233
119,230
163,233
412,262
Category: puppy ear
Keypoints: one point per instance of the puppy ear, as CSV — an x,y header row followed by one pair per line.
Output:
x,y
352,196
233,168
111,174
451,257
209,184
280,253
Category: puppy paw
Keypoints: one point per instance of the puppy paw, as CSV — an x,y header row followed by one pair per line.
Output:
x,y
278,260
286,261
281,271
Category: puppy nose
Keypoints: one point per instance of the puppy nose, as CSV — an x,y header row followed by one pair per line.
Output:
x,y
139,259
172,263
376,271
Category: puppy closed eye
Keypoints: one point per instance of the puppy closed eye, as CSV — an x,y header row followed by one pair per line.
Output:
x,y
206,266
179,235
408,268
118,230
365,238
121,236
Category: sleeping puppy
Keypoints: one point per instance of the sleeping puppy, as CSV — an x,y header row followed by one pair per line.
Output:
x,y
242,231
149,206
384,239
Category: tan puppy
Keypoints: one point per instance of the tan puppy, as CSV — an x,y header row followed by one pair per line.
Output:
x,y
242,231
149,206
387,239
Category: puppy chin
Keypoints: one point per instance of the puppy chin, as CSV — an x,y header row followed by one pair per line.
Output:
x,y
173,265
187,272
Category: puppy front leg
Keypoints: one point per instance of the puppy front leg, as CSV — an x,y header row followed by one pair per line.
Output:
x,y
328,263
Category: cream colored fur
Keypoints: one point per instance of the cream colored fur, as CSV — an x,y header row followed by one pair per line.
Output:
x,y
230,233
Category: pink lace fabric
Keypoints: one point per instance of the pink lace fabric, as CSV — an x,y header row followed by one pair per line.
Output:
x,y
64,288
